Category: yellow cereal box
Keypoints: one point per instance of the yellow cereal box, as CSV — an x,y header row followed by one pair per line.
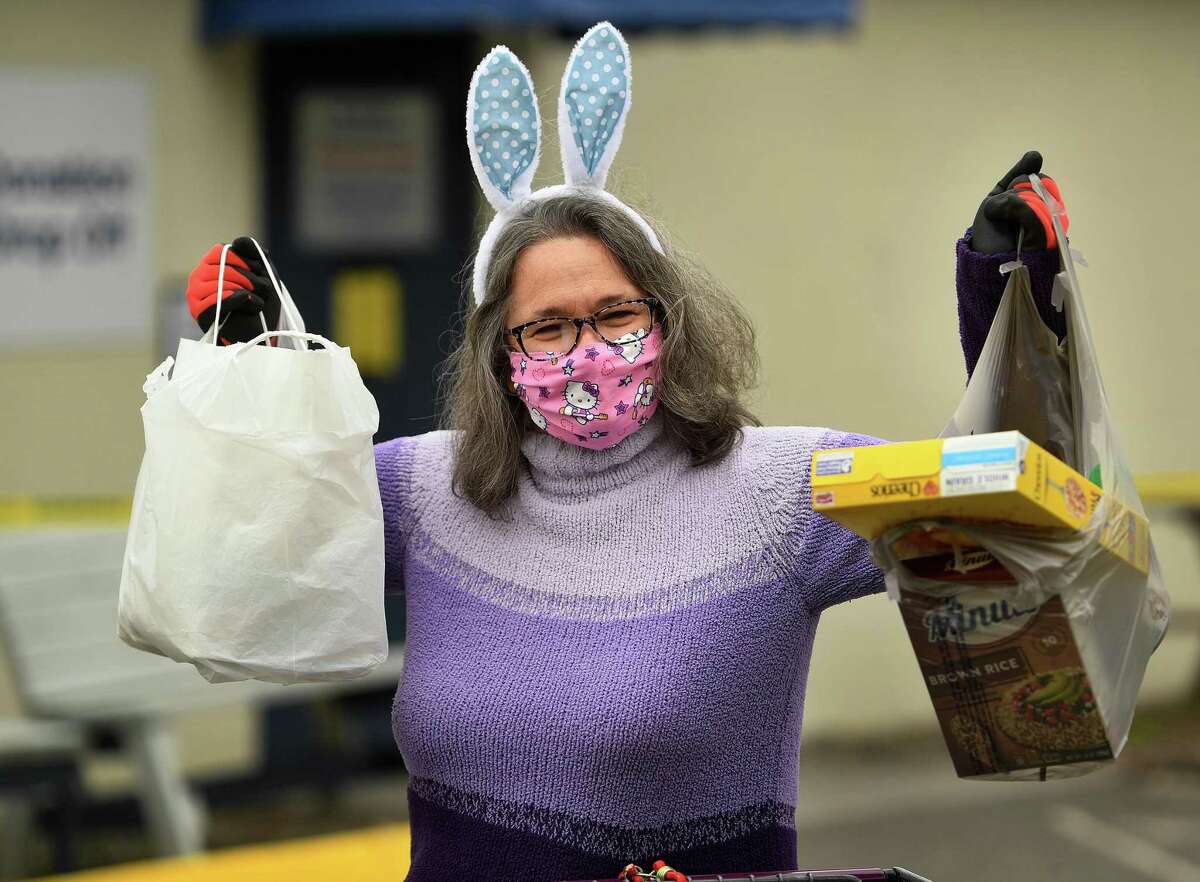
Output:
x,y
1001,476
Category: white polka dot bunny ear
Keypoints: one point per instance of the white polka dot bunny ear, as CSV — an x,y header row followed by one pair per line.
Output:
x,y
593,104
503,128
504,133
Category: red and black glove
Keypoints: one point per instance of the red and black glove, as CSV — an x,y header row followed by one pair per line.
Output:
x,y
1012,207
248,298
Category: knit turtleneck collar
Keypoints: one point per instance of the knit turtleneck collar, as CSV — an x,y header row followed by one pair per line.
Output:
x,y
559,468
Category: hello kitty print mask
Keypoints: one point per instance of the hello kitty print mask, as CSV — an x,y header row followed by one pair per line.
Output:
x,y
596,396
504,132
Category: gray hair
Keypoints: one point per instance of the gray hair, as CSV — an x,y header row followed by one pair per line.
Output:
x,y
707,364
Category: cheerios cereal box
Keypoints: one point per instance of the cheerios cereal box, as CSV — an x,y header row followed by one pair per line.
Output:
x,y
1001,476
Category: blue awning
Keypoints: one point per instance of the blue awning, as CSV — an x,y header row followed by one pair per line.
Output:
x,y
228,18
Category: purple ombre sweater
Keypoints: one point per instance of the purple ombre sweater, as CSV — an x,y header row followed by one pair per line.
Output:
x,y
616,672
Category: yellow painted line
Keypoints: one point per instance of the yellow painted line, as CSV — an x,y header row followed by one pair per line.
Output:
x,y
41,511
376,854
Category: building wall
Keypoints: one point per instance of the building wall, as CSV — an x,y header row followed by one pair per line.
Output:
x,y
71,422
823,177
205,188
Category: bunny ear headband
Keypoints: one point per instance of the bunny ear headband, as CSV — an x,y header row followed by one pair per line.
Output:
x,y
504,132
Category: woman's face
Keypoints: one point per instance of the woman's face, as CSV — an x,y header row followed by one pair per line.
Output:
x,y
572,277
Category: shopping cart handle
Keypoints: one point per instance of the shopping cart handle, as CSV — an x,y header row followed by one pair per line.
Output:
x,y
903,875
874,874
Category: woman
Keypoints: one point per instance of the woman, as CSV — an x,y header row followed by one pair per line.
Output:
x,y
613,574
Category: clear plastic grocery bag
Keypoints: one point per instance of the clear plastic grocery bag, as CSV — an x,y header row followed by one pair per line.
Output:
x,y
255,547
1035,641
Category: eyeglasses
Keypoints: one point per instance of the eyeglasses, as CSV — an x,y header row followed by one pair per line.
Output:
x,y
548,339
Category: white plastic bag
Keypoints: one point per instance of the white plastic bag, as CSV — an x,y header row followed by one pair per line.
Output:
x,y
255,547
1115,614
1021,381
1024,380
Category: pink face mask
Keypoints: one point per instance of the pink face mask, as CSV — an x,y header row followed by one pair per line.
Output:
x,y
595,397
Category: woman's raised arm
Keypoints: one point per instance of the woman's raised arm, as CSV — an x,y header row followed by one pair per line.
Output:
x,y
837,564
1011,211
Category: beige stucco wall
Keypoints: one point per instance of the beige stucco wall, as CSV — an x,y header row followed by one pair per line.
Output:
x,y
71,424
826,178
78,431
823,177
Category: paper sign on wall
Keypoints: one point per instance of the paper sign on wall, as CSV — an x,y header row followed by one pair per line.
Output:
x,y
74,209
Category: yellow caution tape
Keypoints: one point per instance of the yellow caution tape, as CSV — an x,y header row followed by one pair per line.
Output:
x,y
1167,488
1170,488
41,511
